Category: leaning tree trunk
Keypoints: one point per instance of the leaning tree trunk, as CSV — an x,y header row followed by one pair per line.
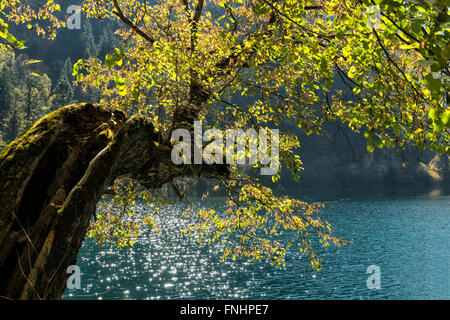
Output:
x,y
51,179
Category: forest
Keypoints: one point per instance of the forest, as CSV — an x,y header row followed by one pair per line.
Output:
x,y
353,95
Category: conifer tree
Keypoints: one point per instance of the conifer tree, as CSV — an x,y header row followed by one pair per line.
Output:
x,y
5,92
64,91
87,36
12,125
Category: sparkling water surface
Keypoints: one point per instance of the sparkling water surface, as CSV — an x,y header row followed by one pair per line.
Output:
x,y
407,237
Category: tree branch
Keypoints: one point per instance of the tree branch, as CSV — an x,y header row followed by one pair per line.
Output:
x,y
388,56
135,28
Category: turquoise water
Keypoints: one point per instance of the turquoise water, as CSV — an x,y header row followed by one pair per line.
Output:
x,y
407,237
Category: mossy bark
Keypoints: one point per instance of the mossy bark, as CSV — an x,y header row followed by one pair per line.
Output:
x,y
51,179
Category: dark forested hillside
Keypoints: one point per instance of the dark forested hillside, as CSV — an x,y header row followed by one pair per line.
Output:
x,y
37,80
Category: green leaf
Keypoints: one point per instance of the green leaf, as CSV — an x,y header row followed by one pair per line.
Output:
x,y
438,126
32,61
446,118
379,144
432,84
433,114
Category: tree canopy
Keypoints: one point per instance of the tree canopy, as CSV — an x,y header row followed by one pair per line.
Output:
x,y
262,64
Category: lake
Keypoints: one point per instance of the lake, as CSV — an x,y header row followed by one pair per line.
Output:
x,y
406,236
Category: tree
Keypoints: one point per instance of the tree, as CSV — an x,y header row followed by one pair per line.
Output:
x,y
5,91
188,60
13,122
31,82
108,40
25,95
87,36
